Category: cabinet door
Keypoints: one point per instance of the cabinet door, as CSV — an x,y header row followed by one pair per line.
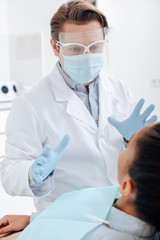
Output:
x,y
2,145
3,119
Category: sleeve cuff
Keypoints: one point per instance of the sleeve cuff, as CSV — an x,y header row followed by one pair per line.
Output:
x,y
41,189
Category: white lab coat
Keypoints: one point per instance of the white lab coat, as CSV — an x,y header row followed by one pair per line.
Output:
x,y
48,112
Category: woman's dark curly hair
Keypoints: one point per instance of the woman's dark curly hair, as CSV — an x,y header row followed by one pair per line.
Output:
x,y
145,172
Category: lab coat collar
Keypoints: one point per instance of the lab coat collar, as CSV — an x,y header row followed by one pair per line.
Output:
x,y
75,107
59,87
107,101
126,223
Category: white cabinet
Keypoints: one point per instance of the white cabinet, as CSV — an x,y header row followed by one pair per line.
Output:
x,y
10,205
4,112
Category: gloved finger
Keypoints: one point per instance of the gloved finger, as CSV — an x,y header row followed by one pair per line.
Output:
x,y
37,169
63,144
138,107
41,160
151,120
46,151
38,178
148,111
113,122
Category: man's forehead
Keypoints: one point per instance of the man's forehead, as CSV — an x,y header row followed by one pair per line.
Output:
x,y
82,37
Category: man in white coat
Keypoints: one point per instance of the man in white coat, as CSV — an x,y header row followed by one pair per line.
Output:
x,y
77,100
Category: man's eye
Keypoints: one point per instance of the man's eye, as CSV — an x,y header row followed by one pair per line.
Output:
x,y
97,46
94,47
75,49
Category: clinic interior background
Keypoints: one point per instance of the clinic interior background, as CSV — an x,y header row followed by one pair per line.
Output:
x,y
26,55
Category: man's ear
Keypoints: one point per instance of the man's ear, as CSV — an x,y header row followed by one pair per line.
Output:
x,y
126,187
54,47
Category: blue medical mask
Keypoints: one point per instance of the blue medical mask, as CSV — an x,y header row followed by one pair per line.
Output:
x,y
84,68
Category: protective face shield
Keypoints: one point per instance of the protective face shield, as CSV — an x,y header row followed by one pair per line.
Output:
x,y
83,53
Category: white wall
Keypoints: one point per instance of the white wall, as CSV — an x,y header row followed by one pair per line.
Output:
x,y
135,45
29,17
4,43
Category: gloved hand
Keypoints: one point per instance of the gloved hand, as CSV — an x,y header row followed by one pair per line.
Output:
x,y
135,122
48,160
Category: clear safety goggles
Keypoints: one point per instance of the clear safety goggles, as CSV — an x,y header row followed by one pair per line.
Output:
x,y
71,44
71,49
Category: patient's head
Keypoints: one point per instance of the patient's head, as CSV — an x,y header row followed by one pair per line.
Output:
x,y
139,174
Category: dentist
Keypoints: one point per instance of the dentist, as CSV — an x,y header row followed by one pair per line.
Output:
x,y
68,131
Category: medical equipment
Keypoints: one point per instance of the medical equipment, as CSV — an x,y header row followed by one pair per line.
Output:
x,y
83,69
83,54
85,38
135,122
48,160
8,91
72,49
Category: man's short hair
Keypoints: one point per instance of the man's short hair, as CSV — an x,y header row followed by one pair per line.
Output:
x,y
78,12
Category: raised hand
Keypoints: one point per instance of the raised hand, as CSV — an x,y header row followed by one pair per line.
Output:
x,y
135,122
48,160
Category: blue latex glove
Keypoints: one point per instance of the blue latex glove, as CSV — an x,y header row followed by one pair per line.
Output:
x,y
48,160
135,122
